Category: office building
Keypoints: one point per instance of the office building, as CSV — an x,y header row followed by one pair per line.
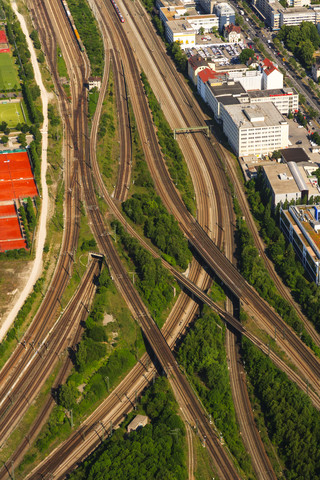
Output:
x,y
254,129
301,226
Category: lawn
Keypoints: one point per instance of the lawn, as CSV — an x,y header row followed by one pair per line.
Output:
x,y
12,114
9,79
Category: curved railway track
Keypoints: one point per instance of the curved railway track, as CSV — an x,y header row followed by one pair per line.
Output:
x,y
219,156
11,377
199,239
65,333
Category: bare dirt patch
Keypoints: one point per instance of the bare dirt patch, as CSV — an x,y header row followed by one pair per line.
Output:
x,y
13,277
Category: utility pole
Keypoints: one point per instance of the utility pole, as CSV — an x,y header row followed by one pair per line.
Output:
x,y
110,428
12,464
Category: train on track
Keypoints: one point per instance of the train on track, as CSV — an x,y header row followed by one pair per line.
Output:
x,y
118,11
74,28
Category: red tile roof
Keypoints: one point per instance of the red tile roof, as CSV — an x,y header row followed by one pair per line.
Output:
x,y
232,28
269,70
206,74
267,63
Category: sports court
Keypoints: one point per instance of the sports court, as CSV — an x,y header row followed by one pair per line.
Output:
x,y
12,113
10,231
16,177
9,80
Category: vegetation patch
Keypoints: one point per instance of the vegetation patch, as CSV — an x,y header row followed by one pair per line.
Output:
x,y
61,65
203,356
293,423
160,227
282,254
110,346
154,283
157,451
170,149
89,33
302,40
108,149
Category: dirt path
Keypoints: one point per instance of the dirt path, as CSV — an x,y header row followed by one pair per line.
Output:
x,y
42,228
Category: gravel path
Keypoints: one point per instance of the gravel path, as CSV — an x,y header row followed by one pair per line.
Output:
x,y
42,228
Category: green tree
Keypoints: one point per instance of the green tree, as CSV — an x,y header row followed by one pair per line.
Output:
x,y
22,139
67,396
4,139
246,54
305,51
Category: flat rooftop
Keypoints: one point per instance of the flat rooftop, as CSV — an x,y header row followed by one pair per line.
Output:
x,y
296,155
280,178
181,26
273,92
255,115
228,89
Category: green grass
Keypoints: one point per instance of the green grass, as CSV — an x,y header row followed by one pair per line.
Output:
x,y
12,114
9,79
61,65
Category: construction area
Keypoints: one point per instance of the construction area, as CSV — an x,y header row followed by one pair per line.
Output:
x,y
16,185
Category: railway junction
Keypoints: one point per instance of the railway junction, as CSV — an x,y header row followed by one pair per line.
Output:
x,y
206,237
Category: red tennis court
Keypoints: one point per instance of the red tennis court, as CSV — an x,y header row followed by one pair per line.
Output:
x,y
7,211
10,228
12,245
16,177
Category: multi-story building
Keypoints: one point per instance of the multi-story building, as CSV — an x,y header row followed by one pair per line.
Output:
x,y
218,96
297,15
180,31
292,180
225,13
196,64
301,226
276,15
254,129
285,99
271,77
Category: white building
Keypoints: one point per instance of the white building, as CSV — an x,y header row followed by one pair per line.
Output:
x,y
316,70
232,33
297,15
301,226
250,80
271,77
182,32
254,129
285,99
281,183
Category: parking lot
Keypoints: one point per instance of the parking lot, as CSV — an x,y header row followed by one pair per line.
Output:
x,y
298,134
209,46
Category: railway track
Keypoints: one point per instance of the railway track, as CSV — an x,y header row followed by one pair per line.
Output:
x,y
199,239
51,303
65,333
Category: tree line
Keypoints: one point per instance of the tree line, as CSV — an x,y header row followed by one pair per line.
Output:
x,y
163,230
155,452
89,33
302,40
203,356
305,292
170,148
292,422
153,281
